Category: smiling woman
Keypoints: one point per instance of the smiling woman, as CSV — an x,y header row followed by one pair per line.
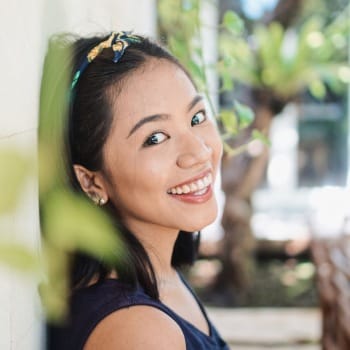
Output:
x,y
141,146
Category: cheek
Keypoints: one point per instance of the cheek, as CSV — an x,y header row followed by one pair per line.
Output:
x,y
140,174
154,166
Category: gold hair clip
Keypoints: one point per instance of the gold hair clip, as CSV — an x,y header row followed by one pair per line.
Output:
x,y
118,41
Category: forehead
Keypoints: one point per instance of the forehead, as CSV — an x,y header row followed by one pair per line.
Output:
x,y
159,86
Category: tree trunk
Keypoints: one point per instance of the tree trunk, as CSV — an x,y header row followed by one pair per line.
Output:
x,y
241,175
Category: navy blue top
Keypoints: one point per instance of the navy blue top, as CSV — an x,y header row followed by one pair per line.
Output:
x,y
91,304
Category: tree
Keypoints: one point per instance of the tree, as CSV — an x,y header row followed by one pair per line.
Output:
x,y
276,62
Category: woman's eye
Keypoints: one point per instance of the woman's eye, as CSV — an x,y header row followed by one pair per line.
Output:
x,y
198,118
155,139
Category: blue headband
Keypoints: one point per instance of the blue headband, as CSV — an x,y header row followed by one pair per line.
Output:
x,y
117,41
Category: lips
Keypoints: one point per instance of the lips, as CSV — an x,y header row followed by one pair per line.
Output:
x,y
195,191
194,186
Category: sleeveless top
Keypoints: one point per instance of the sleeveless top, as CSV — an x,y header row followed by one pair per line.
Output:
x,y
91,304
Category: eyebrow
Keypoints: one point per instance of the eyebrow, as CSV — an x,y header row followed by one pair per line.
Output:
x,y
194,102
156,117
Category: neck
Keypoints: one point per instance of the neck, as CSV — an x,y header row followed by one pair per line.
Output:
x,y
159,244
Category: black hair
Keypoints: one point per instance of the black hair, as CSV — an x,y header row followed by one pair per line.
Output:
x,y
87,128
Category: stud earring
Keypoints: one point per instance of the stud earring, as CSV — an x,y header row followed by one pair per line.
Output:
x,y
101,202
97,199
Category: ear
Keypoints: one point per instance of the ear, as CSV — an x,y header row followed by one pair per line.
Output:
x,y
92,183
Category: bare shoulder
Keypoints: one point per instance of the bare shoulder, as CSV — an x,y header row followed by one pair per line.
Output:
x,y
135,328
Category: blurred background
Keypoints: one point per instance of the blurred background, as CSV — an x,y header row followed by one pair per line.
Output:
x,y
274,268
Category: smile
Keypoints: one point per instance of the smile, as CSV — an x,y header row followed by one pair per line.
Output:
x,y
197,188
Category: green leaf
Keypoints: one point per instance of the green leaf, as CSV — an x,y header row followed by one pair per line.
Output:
x,y
71,223
232,22
245,115
178,47
229,121
227,82
19,257
344,74
54,290
258,135
317,89
14,172
197,73
54,299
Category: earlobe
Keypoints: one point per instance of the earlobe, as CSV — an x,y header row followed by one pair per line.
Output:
x,y
92,184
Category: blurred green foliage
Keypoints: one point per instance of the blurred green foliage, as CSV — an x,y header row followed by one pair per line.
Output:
x,y
286,61
283,283
16,170
69,221
181,26
272,57
283,62
278,65
18,256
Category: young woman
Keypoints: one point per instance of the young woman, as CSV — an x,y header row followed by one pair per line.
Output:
x,y
140,145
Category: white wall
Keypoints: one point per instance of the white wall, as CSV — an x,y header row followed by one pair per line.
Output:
x,y
24,29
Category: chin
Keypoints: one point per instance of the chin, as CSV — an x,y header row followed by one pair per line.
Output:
x,y
197,223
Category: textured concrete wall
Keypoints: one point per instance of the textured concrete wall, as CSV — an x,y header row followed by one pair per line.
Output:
x,y
24,30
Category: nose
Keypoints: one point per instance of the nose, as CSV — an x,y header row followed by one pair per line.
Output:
x,y
193,151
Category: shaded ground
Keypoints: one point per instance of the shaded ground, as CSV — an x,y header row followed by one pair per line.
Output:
x,y
274,283
282,283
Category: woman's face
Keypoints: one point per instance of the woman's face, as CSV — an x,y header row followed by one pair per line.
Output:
x,y
162,153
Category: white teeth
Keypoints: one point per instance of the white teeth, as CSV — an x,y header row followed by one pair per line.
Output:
x,y
178,190
186,189
193,187
197,187
200,184
200,192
